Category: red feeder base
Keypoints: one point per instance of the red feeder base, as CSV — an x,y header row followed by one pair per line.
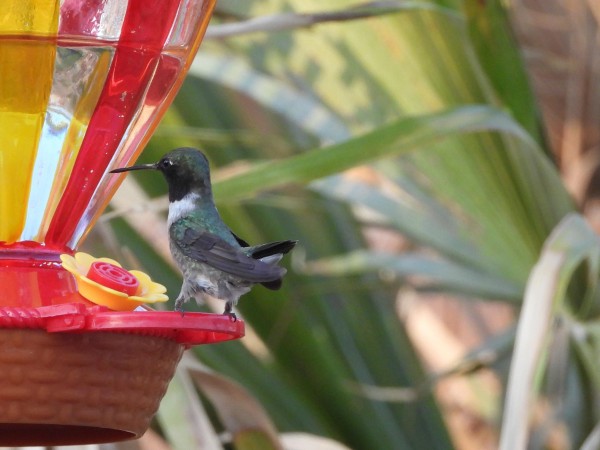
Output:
x,y
61,389
77,373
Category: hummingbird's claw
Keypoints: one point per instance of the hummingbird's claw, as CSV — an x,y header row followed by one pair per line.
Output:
x,y
229,312
179,307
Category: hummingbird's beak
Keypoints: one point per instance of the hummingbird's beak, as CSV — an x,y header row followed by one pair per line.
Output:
x,y
138,167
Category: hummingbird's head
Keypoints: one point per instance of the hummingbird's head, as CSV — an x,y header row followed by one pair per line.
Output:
x,y
185,169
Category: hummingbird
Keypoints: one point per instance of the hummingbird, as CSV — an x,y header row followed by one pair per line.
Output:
x,y
212,259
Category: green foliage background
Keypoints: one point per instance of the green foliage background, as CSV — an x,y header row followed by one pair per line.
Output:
x,y
434,99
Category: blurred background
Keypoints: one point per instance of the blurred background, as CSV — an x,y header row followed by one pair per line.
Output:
x,y
421,152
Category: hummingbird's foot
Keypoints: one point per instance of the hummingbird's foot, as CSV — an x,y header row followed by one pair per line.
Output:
x,y
179,306
229,312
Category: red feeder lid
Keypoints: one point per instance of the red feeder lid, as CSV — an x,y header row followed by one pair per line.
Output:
x,y
193,328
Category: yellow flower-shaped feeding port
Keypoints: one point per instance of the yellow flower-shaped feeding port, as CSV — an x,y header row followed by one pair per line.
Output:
x,y
103,281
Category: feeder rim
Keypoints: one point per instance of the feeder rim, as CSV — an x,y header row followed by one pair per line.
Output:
x,y
193,328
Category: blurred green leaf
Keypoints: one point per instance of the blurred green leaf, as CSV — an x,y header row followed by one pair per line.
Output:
x,y
400,137
437,274
435,101
182,417
569,245
490,29
253,440
241,415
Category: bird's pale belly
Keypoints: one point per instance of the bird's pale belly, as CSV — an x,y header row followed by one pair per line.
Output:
x,y
201,279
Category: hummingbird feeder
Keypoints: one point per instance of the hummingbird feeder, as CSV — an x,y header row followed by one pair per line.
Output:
x,y
83,83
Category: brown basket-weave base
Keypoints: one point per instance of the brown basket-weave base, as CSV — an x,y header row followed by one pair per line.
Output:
x,y
94,387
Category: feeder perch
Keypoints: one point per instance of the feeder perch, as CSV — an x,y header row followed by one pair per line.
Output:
x,y
83,83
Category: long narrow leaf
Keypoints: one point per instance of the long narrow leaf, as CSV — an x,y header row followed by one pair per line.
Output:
x,y
183,418
290,21
398,138
441,274
240,413
570,244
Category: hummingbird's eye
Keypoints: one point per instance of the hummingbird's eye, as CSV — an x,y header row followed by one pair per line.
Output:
x,y
166,164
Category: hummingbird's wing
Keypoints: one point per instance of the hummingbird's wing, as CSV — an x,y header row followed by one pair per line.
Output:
x,y
270,248
239,240
267,250
210,249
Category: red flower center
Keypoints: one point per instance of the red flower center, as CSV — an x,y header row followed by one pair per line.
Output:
x,y
113,277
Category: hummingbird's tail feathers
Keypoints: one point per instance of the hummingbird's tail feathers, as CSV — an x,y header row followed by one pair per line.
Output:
x,y
271,253
275,284
271,248
272,259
